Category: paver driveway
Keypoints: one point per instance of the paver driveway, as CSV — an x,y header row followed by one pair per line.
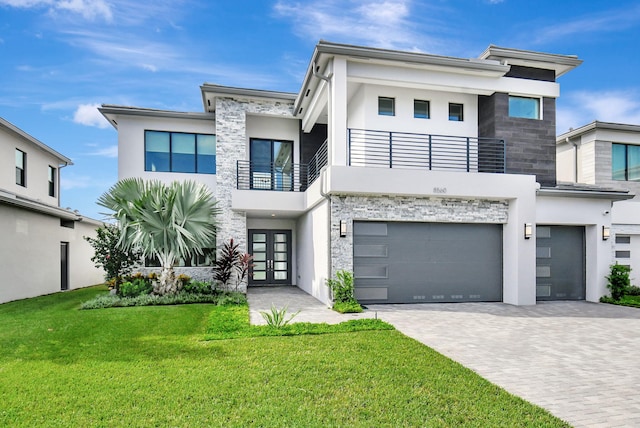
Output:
x,y
579,360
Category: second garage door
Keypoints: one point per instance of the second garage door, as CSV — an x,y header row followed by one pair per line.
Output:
x,y
400,262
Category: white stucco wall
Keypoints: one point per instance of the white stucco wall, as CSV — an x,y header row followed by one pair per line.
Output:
x,y
30,254
131,146
403,121
37,169
313,252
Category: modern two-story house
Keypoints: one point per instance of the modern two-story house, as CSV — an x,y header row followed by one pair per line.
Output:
x,y
608,154
432,178
34,230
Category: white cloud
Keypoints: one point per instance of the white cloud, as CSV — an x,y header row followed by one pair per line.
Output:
x,y
580,108
602,21
381,23
72,181
88,114
88,9
107,152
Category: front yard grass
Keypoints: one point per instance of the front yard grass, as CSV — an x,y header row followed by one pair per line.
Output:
x,y
149,366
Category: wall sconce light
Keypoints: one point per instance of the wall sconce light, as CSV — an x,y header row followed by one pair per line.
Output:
x,y
528,230
606,232
343,228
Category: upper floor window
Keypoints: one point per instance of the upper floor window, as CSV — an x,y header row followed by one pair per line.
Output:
x,y
52,181
21,167
456,112
386,106
625,162
421,109
524,107
179,152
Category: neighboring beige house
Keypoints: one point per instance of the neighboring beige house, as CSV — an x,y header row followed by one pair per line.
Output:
x,y
432,178
608,154
42,249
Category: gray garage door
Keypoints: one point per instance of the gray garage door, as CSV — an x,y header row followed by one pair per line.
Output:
x,y
560,259
427,262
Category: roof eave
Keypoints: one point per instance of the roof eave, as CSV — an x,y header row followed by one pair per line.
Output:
x,y
20,133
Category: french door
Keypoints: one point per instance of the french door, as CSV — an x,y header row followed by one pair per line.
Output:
x,y
271,164
271,251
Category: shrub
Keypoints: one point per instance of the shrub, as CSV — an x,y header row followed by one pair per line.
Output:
x,y
347,307
619,280
342,289
632,290
198,287
113,301
109,256
137,287
232,267
342,286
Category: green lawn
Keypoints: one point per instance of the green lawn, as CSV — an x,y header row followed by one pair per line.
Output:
x,y
632,301
150,366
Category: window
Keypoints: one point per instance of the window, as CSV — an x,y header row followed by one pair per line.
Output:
x,y
180,152
524,107
456,112
21,166
421,109
386,106
625,162
52,181
623,239
623,254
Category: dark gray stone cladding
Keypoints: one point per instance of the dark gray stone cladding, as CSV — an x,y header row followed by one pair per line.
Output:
x,y
530,144
531,73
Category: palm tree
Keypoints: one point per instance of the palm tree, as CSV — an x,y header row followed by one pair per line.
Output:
x,y
169,222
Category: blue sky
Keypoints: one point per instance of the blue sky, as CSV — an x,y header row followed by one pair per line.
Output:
x,y
59,59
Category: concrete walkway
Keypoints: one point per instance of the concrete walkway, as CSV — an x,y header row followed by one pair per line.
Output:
x,y
579,360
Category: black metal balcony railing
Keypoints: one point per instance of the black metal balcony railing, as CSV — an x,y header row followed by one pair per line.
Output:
x,y
425,151
288,177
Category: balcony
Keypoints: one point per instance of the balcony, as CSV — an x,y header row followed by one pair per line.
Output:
x,y
280,176
385,149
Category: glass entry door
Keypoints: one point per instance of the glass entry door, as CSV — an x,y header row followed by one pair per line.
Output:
x,y
271,251
271,164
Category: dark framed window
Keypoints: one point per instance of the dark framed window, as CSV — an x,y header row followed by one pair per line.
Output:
x,y
179,152
421,109
456,112
52,181
21,168
625,162
524,107
386,106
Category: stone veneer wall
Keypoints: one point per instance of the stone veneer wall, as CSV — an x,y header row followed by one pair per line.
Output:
x,y
403,208
231,146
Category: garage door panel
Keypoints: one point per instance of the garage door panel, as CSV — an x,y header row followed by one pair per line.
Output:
x,y
560,263
428,262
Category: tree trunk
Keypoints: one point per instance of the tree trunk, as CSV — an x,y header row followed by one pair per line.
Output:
x,y
167,283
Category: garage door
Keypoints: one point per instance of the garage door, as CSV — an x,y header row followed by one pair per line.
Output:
x,y
560,258
427,262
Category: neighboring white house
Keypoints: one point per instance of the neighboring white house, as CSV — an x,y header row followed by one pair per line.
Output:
x,y
42,249
608,154
432,178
